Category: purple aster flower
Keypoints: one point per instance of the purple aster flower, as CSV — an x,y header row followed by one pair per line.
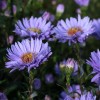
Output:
x,y
96,79
27,54
36,83
94,62
3,4
36,27
96,24
75,91
70,63
49,78
64,96
74,88
3,96
74,30
87,96
82,2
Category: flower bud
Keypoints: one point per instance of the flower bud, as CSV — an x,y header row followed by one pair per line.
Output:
x,y
49,78
70,63
46,16
47,97
3,96
14,9
82,2
36,83
54,2
69,67
3,4
60,10
10,39
78,11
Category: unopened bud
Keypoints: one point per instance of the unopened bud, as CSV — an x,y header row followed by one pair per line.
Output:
x,y
59,10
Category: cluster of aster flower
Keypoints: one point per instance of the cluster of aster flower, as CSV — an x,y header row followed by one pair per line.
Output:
x,y
74,92
31,52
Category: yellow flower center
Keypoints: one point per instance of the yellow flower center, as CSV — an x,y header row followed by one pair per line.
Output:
x,y
36,30
73,31
27,58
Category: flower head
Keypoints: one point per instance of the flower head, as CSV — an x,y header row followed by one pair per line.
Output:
x,y
46,15
27,54
74,30
69,64
73,93
67,68
60,8
57,69
94,62
36,27
64,96
96,79
49,78
82,2
78,11
74,89
3,4
96,24
36,83
87,96
10,39
3,96
47,97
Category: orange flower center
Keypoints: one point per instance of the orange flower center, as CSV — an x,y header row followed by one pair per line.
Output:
x,y
36,30
27,58
73,31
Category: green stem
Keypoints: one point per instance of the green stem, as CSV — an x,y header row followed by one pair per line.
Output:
x,y
77,52
78,55
30,85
